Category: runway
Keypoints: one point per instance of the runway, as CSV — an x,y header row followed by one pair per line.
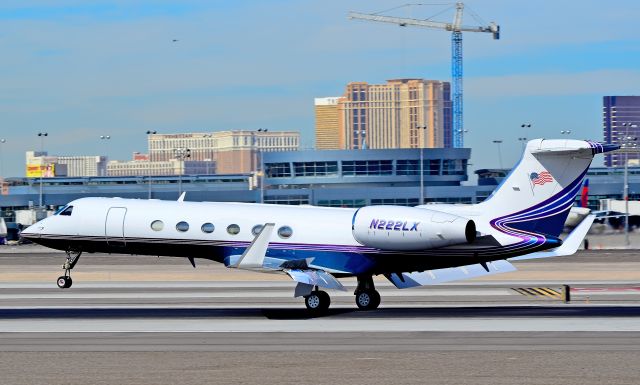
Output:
x,y
146,320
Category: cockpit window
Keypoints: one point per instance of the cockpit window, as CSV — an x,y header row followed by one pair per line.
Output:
x,y
67,211
59,210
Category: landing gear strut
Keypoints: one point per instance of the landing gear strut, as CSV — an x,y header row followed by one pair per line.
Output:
x,y
367,298
65,281
318,301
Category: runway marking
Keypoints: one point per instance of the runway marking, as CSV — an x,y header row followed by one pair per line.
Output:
x,y
538,292
606,290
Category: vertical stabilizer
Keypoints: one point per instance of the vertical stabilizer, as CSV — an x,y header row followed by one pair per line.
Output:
x,y
537,194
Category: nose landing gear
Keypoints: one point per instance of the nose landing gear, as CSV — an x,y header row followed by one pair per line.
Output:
x,y
65,281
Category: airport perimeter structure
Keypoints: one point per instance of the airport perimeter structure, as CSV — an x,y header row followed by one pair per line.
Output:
x,y
341,178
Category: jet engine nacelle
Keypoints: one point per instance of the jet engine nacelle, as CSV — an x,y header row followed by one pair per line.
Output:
x,y
410,228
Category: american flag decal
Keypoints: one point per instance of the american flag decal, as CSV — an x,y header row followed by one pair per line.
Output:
x,y
541,178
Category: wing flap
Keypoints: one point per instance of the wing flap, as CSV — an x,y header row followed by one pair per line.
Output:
x,y
432,277
315,278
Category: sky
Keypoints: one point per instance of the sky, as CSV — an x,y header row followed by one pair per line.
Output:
x,y
79,70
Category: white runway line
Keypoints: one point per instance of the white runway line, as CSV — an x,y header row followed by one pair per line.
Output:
x,y
318,325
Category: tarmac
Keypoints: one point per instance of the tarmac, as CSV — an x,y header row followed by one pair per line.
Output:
x,y
148,320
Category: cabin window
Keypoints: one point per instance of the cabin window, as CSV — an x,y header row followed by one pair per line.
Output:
x,y
285,232
233,229
256,229
157,225
208,228
67,211
182,226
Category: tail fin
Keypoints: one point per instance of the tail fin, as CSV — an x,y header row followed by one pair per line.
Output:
x,y
537,194
584,197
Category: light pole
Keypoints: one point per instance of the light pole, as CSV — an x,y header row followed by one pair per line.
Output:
x,y
522,141
2,142
181,154
206,136
261,174
422,135
498,142
149,132
42,135
104,137
628,143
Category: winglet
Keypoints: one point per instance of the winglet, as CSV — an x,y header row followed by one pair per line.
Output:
x,y
253,256
569,246
181,199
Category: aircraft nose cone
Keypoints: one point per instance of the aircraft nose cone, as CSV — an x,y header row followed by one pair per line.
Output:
x,y
33,231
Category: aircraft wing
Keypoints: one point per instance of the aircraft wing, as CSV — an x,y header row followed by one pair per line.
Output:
x,y
254,258
432,277
569,246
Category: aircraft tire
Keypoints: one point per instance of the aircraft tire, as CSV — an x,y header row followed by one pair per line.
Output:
x,y
317,301
64,282
367,299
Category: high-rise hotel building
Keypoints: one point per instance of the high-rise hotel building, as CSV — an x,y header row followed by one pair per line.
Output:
x,y
234,152
621,119
329,128
403,113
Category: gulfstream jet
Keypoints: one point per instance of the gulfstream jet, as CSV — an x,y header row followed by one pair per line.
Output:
x,y
317,246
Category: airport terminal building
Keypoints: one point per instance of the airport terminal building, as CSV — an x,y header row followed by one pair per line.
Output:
x,y
336,178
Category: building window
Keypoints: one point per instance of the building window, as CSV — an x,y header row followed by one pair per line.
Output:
x,y
287,199
285,232
367,167
278,170
396,201
233,229
157,225
434,167
315,168
207,228
453,166
466,200
343,203
407,167
182,226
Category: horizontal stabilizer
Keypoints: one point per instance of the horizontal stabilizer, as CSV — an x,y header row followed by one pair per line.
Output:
x,y
316,278
432,277
569,246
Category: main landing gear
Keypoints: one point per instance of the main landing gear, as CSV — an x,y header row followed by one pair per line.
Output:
x,y
65,281
367,297
317,301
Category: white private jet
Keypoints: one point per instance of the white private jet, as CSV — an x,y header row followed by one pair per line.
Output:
x,y
410,246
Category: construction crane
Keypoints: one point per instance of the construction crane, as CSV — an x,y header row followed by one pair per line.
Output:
x,y
456,53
